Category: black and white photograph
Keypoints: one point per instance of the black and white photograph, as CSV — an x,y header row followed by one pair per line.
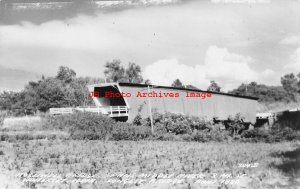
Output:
x,y
142,94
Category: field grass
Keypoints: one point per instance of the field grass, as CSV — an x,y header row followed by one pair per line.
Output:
x,y
275,166
21,123
28,151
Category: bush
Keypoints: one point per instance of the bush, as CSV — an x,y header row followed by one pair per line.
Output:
x,y
289,119
125,131
175,123
210,135
4,137
200,136
256,135
274,134
92,126
169,126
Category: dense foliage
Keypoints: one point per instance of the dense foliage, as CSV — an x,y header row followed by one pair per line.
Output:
x,y
92,126
115,72
289,119
166,127
288,92
275,134
64,90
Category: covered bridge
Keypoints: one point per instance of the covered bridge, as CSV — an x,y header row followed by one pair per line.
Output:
x,y
127,100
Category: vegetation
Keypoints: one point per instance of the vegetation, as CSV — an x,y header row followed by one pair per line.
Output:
x,y
64,90
111,159
288,92
214,87
169,126
289,119
115,72
103,150
92,126
177,83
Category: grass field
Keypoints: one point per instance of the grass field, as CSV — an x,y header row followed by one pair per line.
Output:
x,y
250,165
32,157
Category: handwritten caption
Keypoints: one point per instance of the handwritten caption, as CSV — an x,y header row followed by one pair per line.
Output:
x,y
127,179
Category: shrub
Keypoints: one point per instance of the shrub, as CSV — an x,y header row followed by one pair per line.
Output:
x,y
92,126
289,119
167,126
274,134
24,137
168,137
210,135
125,131
37,163
4,137
175,123
200,136
138,120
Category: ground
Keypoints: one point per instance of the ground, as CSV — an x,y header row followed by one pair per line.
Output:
x,y
149,164
35,157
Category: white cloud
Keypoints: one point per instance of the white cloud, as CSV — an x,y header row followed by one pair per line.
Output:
x,y
227,69
144,35
61,35
291,40
219,63
295,61
269,77
164,72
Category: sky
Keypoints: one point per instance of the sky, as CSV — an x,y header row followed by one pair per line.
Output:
x,y
228,41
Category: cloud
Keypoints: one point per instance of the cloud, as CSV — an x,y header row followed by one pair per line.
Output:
x,y
294,65
149,34
268,73
64,35
164,72
291,40
219,63
227,69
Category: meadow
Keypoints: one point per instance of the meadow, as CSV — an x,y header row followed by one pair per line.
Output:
x,y
32,158
108,159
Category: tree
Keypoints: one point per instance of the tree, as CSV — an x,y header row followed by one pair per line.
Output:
x,y
64,90
147,82
265,93
51,93
290,83
114,72
133,73
177,83
191,87
214,87
65,74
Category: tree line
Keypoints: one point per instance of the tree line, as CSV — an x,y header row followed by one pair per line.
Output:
x,y
67,90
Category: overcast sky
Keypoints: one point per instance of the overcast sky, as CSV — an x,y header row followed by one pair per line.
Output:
x,y
195,41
